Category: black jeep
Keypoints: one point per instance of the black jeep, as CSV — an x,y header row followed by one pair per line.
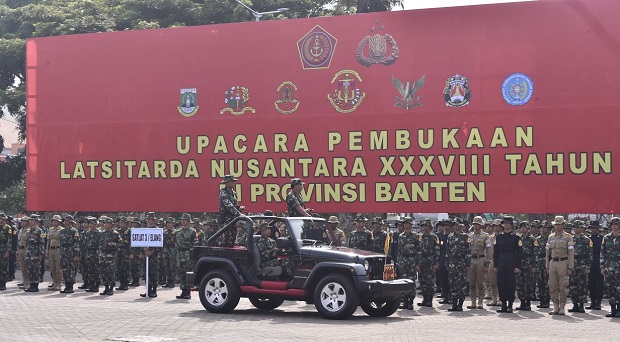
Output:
x,y
336,279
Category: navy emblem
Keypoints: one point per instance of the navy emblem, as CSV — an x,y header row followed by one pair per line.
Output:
x,y
316,48
377,48
407,99
347,97
456,92
287,103
188,107
517,89
237,99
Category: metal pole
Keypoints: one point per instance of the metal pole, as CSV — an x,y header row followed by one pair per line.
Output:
x,y
147,275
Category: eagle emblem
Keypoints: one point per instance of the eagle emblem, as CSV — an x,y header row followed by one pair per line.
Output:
x,y
407,99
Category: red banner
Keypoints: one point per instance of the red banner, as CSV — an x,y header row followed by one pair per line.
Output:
x,y
499,108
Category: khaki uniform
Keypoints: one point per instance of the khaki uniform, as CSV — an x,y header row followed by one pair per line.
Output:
x,y
560,259
491,274
22,237
53,256
479,258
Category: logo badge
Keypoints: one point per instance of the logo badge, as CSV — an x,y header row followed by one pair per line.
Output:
x,y
237,98
457,93
347,97
188,107
287,103
517,89
377,48
407,99
316,48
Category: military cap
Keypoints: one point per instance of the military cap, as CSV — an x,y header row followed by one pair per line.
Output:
x,y
296,181
34,217
614,220
508,219
408,219
150,215
478,220
546,224
92,219
497,222
212,222
426,222
459,221
360,217
57,218
579,224
228,178
102,218
195,220
558,220
268,213
3,215
594,224
108,220
170,219
263,225
384,223
377,219
25,218
122,219
186,216
333,219
536,223
524,224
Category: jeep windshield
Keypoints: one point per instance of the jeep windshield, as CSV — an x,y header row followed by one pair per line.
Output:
x,y
309,232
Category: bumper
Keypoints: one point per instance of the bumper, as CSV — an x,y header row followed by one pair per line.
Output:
x,y
190,277
385,288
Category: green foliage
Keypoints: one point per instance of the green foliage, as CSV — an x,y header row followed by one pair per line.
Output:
x,y
13,199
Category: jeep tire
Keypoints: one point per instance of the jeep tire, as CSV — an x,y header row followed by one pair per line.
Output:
x,y
266,304
219,292
335,297
380,308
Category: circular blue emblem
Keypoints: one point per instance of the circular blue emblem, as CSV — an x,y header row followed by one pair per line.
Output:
x,y
517,89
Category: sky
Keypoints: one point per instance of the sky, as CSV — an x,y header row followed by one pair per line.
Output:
x,y
416,4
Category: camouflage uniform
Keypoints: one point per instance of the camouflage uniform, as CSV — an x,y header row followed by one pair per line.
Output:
x,y
109,240
378,240
186,238
169,257
408,249
69,251
6,239
292,201
123,265
268,255
428,260
610,263
458,258
90,270
35,249
526,281
360,239
542,274
578,281
241,239
229,207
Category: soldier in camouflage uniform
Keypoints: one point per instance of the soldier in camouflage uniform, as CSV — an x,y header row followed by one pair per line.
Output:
x,y
610,266
153,254
229,207
123,263
408,249
378,236
241,238
360,238
109,240
91,248
543,273
294,201
458,259
526,280
427,262
169,255
6,238
186,238
69,253
269,251
35,250
578,281
136,257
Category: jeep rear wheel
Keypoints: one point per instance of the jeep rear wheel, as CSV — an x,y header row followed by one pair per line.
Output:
x,y
335,297
219,292
380,308
266,304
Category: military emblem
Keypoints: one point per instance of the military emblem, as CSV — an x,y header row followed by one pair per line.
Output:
x,y
457,92
373,49
316,48
237,99
287,103
188,106
347,97
517,89
407,93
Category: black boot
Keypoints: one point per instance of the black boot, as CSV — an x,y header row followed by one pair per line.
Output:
x,y
93,288
403,302
34,287
105,291
123,286
429,301
459,305
617,310
509,307
597,306
410,302
504,307
528,305
455,305
3,286
185,294
522,304
446,299
424,301
68,288
544,303
575,307
614,311
592,304
153,292
170,285
136,282
111,289
84,286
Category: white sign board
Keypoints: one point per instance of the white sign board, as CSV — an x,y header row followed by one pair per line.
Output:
x,y
147,237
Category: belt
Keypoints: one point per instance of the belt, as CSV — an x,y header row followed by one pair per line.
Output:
x,y
477,256
560,259
54,247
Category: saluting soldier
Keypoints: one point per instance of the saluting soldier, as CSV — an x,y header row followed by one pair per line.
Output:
x,y
69,253
123,264
595,278
478,240
408,248
378,236
526,280
583,261
153,254
229,206
427,262
610,266
507,263
560,263
6,237
53,253
35,251
186,238
458,261
360,238
169,255
296,207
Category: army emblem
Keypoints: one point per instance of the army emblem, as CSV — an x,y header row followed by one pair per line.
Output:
x,y
517,89
188,106
287,103
377,48
316,48
237,98
457,92
407,99
346,97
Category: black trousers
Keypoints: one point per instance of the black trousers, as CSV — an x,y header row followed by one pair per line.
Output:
x,y
442,275
506,281
596,284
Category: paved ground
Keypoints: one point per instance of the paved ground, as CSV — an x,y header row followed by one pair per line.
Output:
x,y
52,316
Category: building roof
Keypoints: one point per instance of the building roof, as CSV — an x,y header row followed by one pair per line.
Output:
x,y
8,130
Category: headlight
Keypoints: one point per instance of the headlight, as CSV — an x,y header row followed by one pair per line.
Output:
x,y
366,265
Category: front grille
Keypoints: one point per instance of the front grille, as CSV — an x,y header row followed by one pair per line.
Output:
x,y
375,272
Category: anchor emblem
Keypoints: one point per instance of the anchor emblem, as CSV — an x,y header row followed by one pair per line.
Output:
x,y
316,48
377,48
346,97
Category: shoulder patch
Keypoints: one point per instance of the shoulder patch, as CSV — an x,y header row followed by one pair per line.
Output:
x,y
520,243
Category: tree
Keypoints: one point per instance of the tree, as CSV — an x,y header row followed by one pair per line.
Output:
x,y
13,198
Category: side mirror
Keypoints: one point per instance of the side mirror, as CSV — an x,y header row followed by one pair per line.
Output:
x,y
283,242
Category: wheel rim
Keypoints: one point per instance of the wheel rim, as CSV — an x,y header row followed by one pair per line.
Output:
x,y
216,292
333,297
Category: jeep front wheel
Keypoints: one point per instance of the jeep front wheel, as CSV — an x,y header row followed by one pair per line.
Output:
x,y
266,304
219,292
335,297
380,308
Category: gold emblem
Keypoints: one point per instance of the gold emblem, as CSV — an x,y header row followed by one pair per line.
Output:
x,y
346,97
237,98
316,48
377,48
287,103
